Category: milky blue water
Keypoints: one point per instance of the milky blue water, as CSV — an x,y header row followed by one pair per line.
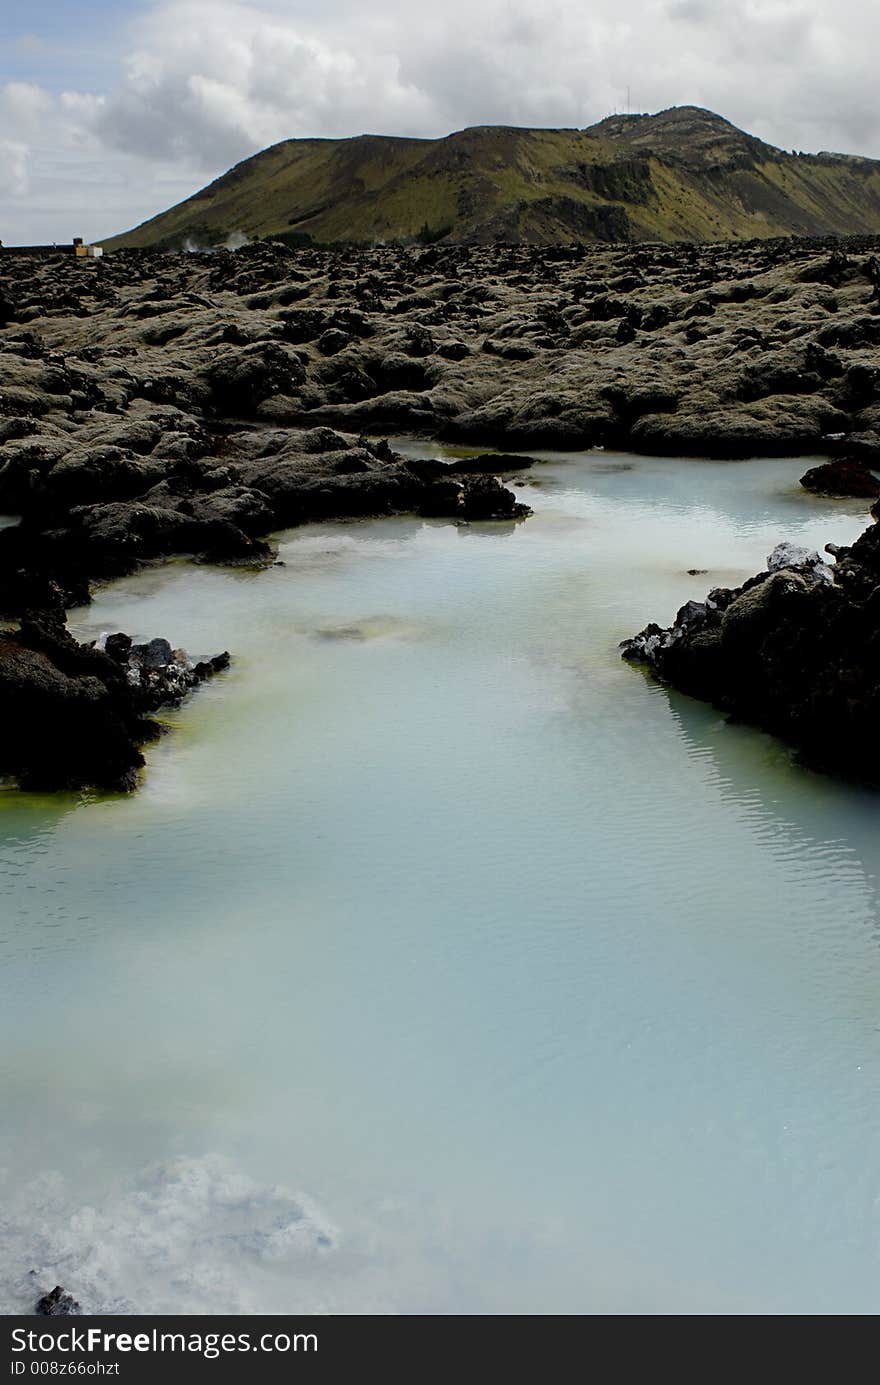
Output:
x,y
444,962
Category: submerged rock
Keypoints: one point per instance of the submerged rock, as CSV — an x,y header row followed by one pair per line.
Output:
x,y
795,650
58,1303
490,463
76,715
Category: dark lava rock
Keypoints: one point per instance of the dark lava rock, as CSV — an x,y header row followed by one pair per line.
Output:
x,y
490,463
795,650
74,716
832,271
419,341
118,647
848,476
124,441
509,351
333,340
484,497
241,380
454,351
156,654
58,1303
475,497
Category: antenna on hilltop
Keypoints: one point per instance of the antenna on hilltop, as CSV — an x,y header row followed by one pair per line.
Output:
x,y
628,102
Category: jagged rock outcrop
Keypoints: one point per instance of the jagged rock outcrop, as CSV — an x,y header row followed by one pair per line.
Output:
x,y
795,650
75,716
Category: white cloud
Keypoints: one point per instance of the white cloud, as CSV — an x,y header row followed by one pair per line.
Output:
x,y
23,107
203,83
212,82
14,167
57,177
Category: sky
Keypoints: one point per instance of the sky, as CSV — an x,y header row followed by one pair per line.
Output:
x,y
112,110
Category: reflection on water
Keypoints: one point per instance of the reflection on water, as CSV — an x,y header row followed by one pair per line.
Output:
x,y
823,820
552,991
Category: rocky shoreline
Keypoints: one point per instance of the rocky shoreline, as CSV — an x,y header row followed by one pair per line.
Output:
x,y
154,404
795,650
76,715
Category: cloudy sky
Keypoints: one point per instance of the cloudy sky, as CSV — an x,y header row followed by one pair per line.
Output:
x,y
112,110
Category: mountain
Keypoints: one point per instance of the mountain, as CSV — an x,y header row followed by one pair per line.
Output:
x,y
683,174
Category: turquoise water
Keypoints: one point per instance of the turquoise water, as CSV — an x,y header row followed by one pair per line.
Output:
x,y
443,962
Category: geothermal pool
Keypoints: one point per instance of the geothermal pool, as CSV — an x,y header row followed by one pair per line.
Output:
x,y
444,963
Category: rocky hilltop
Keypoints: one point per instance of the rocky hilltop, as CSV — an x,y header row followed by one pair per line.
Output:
x,y
683,174
155,404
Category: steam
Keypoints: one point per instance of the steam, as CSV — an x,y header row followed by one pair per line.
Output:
x,y
236,240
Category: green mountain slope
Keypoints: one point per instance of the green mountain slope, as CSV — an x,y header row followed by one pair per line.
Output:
x,y
684,174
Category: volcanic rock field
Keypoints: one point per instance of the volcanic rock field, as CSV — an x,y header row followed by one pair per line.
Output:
x,y
155,404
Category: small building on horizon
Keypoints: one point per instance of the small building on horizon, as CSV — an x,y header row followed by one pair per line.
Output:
x,y
90,252
77,248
